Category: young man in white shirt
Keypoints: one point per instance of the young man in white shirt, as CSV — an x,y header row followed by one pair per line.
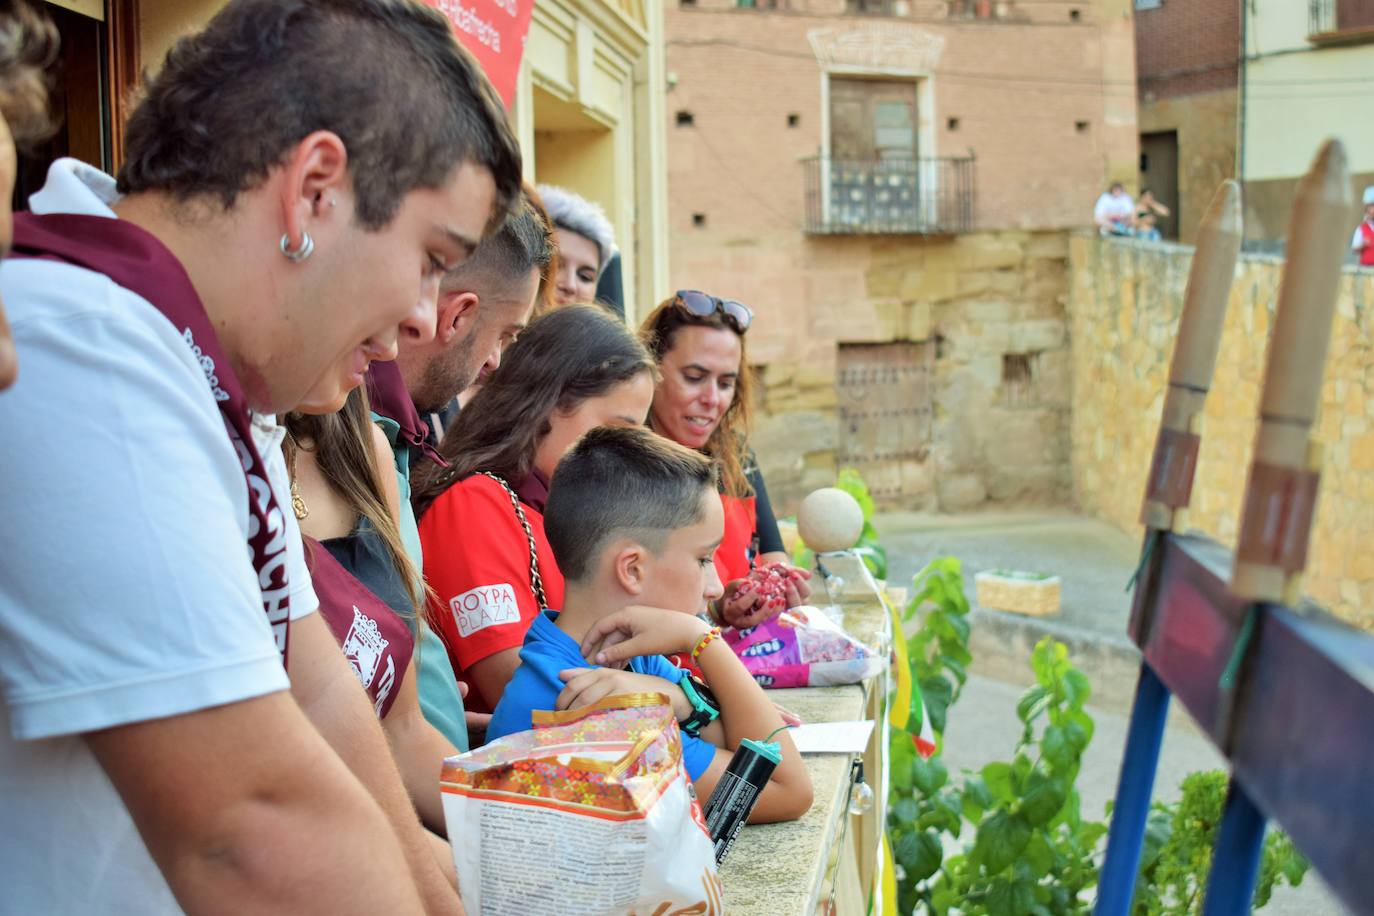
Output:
x,y
1113,211
314,167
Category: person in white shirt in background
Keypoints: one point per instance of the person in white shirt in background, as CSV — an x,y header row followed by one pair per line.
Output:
x,y
1363,242
1114,210
154,756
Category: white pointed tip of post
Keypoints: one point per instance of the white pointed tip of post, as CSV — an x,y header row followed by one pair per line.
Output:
x,y
1329,175
1225,211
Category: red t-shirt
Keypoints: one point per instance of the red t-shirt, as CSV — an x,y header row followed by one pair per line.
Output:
x,y
477,560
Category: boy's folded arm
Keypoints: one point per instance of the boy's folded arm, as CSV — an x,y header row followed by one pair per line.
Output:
x,y
746,712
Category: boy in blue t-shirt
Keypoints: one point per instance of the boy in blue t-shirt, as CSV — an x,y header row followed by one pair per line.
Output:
x,y
634,521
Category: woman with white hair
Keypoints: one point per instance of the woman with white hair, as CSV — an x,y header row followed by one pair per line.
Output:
x,y
586,243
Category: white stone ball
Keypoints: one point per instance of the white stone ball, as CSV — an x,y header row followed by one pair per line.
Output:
x,y
830,519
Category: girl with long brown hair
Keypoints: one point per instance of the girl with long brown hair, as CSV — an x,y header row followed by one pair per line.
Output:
x,y
481,523
370,592
703,400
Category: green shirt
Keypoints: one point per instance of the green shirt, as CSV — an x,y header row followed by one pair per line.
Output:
x,y
435,681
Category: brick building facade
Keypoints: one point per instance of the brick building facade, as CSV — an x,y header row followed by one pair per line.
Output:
x,y
1188,67
888,183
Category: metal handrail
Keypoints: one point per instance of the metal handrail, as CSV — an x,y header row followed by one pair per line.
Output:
x,y
910,196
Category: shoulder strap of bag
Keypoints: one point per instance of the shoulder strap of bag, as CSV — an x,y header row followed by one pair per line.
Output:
x,y
536,583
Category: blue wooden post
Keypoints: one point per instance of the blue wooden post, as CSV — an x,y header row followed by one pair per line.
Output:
x,y
1116,885
1236,858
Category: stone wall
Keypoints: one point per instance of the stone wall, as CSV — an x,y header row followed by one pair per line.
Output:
x,y
1126,298
993,307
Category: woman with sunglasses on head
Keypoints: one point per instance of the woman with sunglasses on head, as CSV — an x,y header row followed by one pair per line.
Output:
x,y
481,522
702,401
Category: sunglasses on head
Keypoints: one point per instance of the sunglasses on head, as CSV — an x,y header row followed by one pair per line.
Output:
x,y
704,305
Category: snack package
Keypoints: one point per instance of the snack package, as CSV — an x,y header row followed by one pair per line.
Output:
x,y
590,812
802,647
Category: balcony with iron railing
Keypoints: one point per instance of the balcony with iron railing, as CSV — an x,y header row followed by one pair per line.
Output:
x,y
1335,22
931,196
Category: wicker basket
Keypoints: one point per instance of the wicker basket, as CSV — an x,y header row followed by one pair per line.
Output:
x,y
1018,592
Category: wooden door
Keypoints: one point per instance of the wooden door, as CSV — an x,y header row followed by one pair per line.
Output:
x,y
872,120
1159,173
885,417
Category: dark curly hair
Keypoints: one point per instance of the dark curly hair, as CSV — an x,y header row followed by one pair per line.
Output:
x,y
386,76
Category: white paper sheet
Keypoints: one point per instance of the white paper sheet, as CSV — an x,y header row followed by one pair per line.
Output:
x,y
832,737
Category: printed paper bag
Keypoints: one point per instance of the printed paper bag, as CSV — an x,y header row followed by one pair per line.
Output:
x,y
802,647
590,812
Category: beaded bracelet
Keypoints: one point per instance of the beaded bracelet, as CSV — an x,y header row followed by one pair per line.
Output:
x,y
704,642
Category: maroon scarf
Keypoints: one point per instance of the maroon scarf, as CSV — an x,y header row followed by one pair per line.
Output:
x,y
374,638
137,261
386,390
534,491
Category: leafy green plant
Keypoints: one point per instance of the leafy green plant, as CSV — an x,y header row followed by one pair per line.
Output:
x,y
1177,854
1029,851
870,546
938,653
1011,840
938,657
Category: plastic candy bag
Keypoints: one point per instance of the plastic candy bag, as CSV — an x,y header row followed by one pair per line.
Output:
x,y
802,647
590,812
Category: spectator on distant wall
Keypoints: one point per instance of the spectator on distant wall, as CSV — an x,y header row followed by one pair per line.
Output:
x,y
586,243
1363,242
1148,211
1114,211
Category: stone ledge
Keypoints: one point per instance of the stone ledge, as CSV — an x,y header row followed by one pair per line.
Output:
x,y
778,869
786,869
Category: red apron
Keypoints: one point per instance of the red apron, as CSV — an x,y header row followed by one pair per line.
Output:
x,y
732,556
1367,252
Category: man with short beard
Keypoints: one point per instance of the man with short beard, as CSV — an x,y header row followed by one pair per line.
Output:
x,y
483,305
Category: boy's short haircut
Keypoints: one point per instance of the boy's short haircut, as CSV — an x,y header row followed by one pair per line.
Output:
x,y
618,482
522,244
387,76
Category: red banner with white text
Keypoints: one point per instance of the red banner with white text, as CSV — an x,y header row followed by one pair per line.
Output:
x,y
494,31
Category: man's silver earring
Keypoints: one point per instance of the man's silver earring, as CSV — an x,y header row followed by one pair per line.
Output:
x,y
301,253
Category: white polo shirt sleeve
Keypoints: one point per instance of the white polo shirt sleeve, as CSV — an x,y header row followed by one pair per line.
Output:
x,y
127,591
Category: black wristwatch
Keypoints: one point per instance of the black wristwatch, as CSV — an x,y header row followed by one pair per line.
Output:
x,y
705,708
